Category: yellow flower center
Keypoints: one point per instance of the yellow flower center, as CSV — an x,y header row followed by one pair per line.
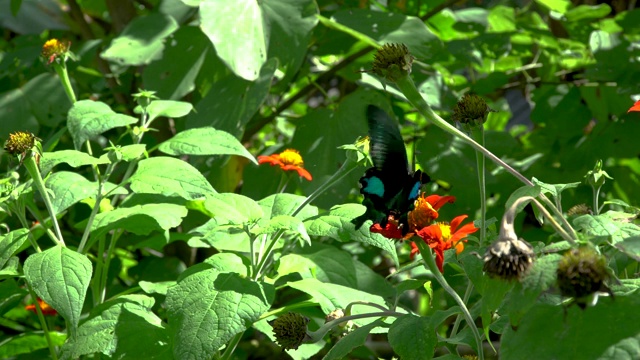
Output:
x,y
54,47
446,231
291,157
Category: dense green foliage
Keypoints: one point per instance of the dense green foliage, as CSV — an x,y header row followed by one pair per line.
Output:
x,y
142,216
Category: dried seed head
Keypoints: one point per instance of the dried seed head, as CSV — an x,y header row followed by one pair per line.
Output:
x,y
582,272
290,330
580,209
471,110
508,258
20,142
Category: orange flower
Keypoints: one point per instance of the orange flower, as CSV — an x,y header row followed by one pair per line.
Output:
x,y
54,48
390,230
46,308
635,107
289,159
441,237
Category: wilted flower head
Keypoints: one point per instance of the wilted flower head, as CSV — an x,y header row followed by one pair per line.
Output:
x,y
471,110
288,160
392,61
290,330
580,209
46,308
581,272
508,258
54,48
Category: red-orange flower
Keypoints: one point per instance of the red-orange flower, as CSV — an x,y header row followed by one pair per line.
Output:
x,y
289,159
441,237
635,107
46,308
391,229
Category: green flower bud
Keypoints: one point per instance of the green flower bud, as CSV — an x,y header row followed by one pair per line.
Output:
x,y
392,61
597,176
581,272
290,330
471,110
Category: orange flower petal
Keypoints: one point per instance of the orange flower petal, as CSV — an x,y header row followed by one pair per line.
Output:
x,y
635,107
271,159
301,171
390,231
46,308
438,201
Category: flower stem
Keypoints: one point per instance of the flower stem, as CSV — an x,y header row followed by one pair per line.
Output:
x,y
481,166
43,322
324,329
61,70
427,256
32,168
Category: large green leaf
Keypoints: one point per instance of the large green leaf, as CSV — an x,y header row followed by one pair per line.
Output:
x,y
413,337
208,308
205,141
343,348
10,243
173,76
142,41
124,327
170,177
60,277
607,328
139,219
88,119
70,188
72,158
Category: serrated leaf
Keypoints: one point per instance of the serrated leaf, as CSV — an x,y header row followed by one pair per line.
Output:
x,y
217,234
554,189
124,327
60,277
88,119
170,177
208,308
229,263
606,225
337,225
413,337
73,158
285,204
139,219
141,41
356,338
205,141
10,243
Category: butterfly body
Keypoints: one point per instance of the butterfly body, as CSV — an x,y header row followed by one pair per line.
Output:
x,y
389,187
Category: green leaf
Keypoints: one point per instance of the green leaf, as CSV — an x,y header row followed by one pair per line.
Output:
x,y
413,337
231,102
11,295
73,158
606,225
606,328
166,108
10,243
11,269
284,204
173,76
337,225
243,22
139,219
60,277
124,327
70,188
128,152
532,191
142,41
560,6
286,223
332,296
356,338
588,12
629,246
88,119
28,343
217,234
229,263
205,141
208,308
502,19
554,189
156,287
170,177
234,208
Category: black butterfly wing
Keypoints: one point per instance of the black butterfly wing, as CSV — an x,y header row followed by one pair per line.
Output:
x,y
387,151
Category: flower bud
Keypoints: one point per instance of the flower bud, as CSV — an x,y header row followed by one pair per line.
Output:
x,y
471,110
581,272
290,330
392,61
20,142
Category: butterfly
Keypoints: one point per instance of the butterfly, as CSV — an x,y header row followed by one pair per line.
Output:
x,y
389,187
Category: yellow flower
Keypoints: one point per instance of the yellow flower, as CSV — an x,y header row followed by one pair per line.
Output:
x,y
54,48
